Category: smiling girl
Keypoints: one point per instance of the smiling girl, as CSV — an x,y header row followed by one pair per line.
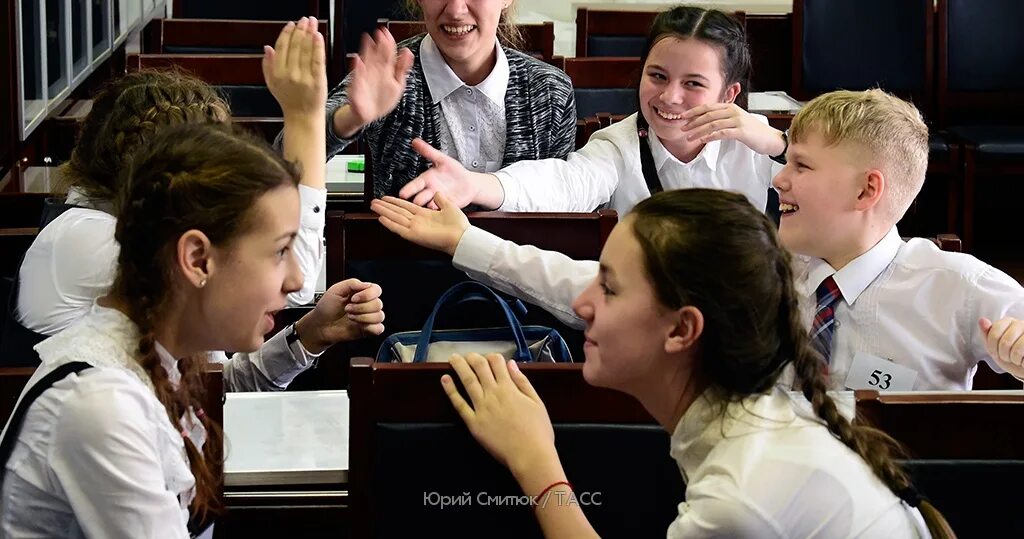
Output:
x,y
484,104
688,133
666,323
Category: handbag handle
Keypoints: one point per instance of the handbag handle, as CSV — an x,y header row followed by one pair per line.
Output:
x,y
454,295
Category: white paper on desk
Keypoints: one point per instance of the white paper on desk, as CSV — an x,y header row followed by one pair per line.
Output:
x,y
772,102
286,431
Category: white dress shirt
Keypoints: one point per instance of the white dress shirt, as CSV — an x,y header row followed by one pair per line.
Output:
x,y
96,455
762,469
608,170
473,117
913,304
548,279
73,261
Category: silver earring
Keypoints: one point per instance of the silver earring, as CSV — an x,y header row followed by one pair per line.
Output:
x,y
202,283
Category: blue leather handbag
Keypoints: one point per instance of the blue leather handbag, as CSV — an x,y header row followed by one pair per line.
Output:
x,y
515,341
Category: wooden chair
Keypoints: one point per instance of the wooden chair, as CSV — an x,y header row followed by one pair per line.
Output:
x,y
538,38
981,92
413,278
959,444
263,10
239,77
607,32
214,36
406,443
604,84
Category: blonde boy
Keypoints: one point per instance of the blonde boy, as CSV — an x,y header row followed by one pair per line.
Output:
x,y
885,313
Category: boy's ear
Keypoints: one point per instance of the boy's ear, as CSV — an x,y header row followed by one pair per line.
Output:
x,y
688,327
872,188
731,92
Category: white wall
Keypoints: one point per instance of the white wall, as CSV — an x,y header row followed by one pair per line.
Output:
x,y
563,12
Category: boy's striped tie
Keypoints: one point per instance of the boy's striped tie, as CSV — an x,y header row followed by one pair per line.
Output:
x,y
828,295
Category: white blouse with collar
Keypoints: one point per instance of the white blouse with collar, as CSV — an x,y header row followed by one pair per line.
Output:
x,y
764,470
97,455
608,170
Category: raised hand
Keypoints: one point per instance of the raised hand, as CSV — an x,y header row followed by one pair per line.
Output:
x,y
1004,341
295,68
719,121
378,77
439,230
348,310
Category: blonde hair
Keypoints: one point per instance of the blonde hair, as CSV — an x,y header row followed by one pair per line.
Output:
x,y
888,128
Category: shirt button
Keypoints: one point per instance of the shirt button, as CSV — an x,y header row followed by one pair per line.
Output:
x,y
476,163
472,128
469,91
316,209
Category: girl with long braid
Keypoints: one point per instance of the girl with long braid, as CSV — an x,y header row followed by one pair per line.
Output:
x,y
119,446
693,312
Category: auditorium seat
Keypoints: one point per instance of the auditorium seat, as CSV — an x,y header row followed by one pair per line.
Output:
x,y
608,32
959,444
238,77
406,444
981,91
604,84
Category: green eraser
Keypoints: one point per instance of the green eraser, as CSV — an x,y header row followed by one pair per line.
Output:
x,y
356,165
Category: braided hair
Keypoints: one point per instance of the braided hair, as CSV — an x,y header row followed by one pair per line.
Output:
x,y
124,117
187,177
699,245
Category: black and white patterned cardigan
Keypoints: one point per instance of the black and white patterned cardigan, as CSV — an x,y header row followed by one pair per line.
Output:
x,y
540,120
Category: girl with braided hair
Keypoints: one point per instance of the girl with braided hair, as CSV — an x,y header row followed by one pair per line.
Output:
x,y
693,312
72,260
115,443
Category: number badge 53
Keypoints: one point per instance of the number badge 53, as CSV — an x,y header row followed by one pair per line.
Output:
x,y
873,372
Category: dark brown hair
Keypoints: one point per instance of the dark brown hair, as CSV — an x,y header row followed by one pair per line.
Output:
x,y
124,117
716,28
712,250
192,176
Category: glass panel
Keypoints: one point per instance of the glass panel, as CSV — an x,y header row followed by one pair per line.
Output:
x,y
32,90
118,27
100,27
79,37
56,47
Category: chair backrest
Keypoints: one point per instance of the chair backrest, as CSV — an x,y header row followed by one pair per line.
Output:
x,y
959,444
604,84
949,425
413,278
538,38
239,78
407,448
980,49
214,36
262,10
862,44
609,32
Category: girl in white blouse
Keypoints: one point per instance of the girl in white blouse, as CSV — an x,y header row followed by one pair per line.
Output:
x,y
206,228
688,133
694,313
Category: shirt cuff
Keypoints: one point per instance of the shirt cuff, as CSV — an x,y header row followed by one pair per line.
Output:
x,y
512,188
314,206
282,361
476,250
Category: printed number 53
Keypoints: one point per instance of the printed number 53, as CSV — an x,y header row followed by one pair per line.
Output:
x,y
880,379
